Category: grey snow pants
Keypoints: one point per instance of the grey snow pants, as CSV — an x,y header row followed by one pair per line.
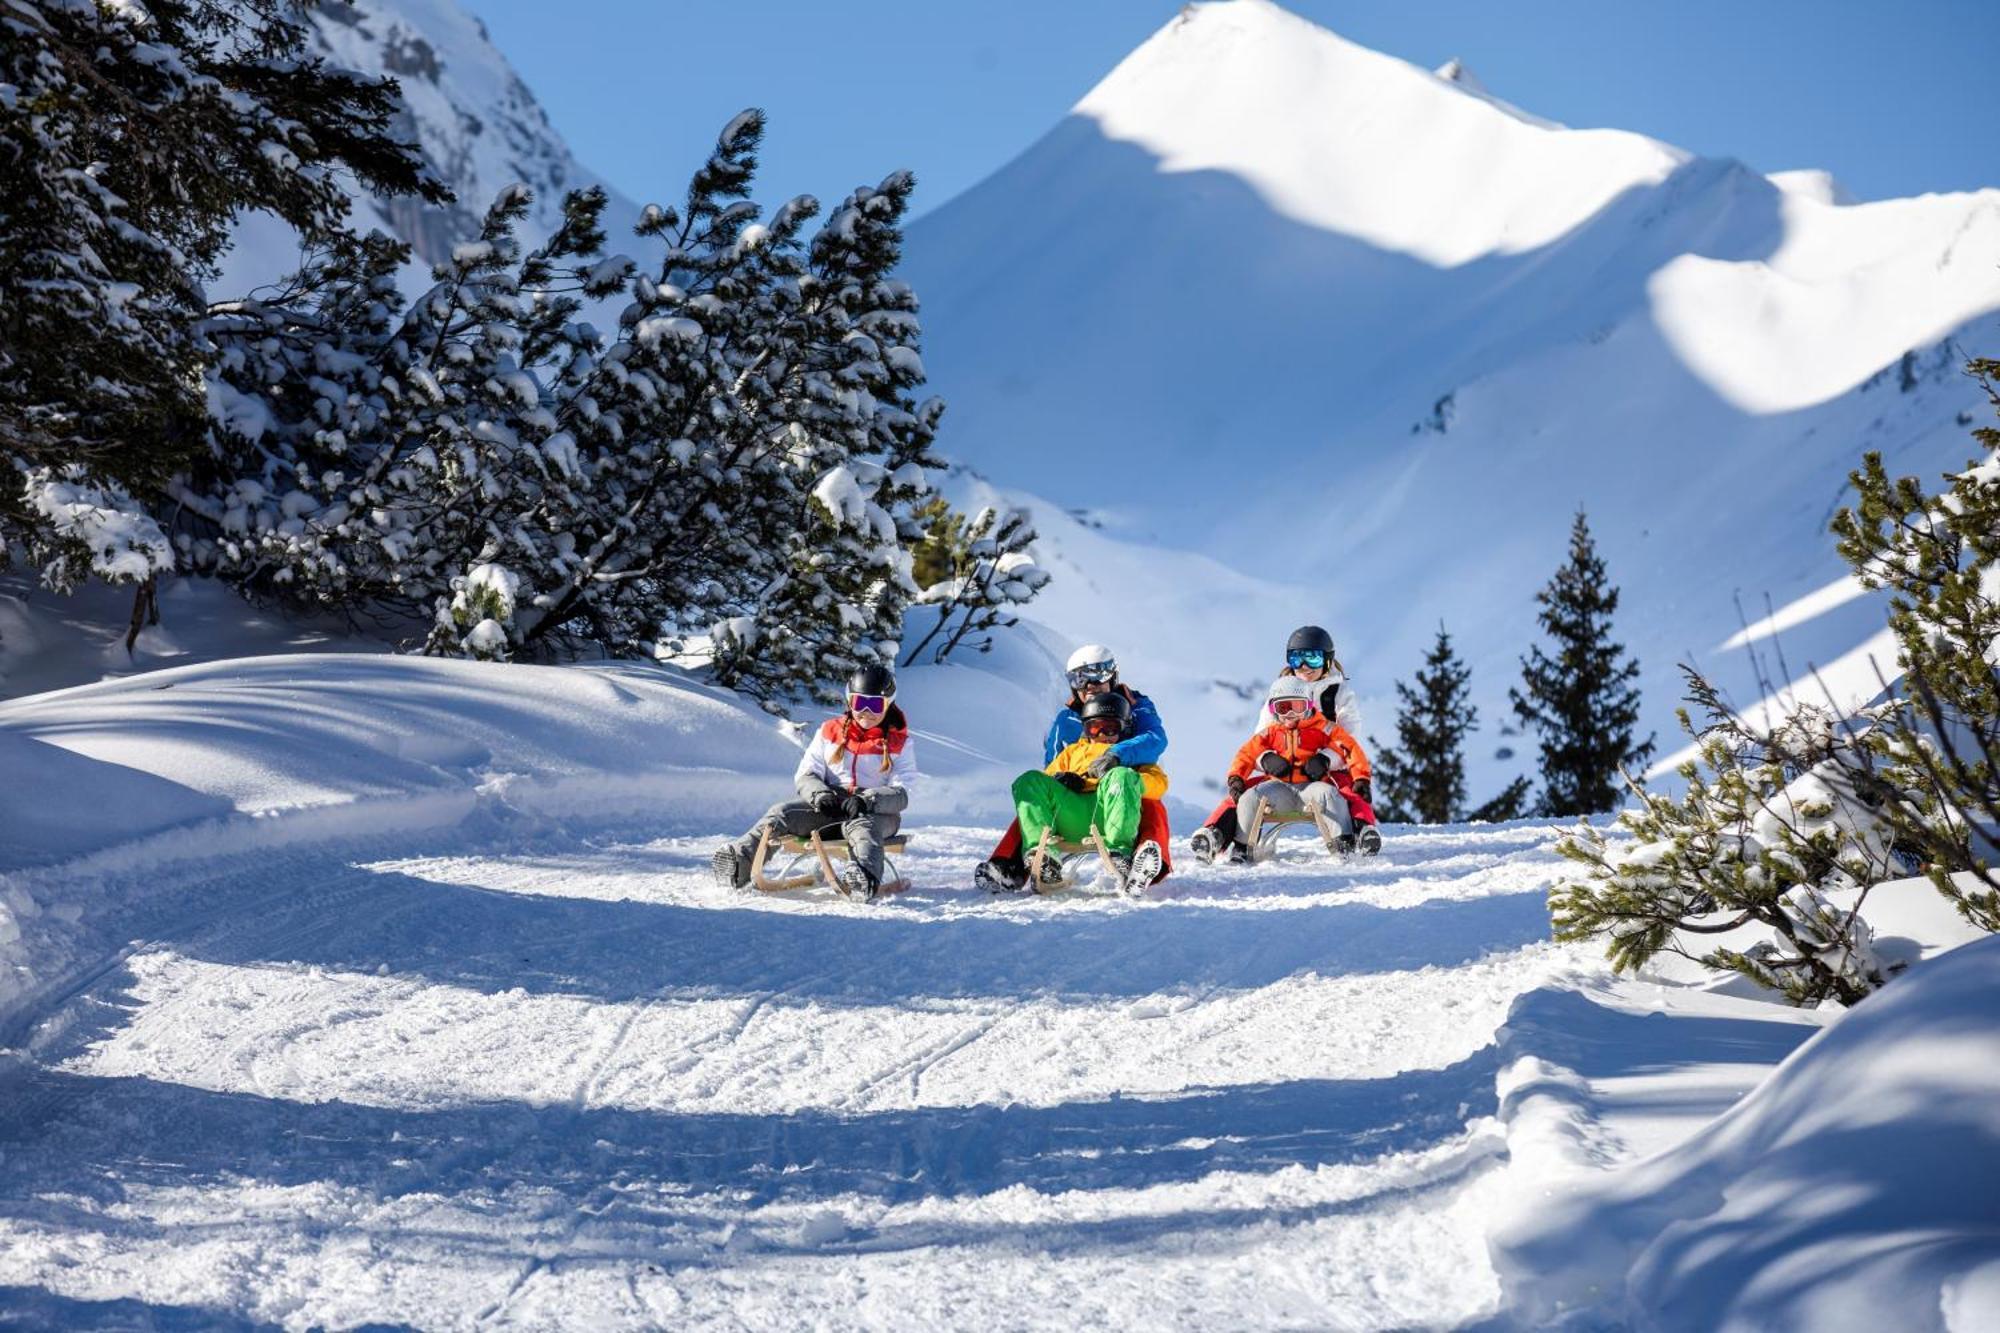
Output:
x,y
1281,798
863,834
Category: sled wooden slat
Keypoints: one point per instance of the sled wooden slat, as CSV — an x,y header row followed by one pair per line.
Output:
x,y
1091,842
1263,848
819,855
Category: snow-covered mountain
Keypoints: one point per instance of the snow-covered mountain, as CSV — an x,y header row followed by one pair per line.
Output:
x,y
479,125
1345,323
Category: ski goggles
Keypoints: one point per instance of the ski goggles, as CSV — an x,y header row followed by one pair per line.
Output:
x,y
1092,672
869,703
1311,658
1098,728
1291,707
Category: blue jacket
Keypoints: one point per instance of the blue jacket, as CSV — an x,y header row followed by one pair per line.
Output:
x,y
1143,744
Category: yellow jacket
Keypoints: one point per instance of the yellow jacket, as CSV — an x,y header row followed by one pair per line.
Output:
x,y
1077,756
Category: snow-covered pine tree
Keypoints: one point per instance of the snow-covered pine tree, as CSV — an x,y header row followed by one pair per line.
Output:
x,y
1786,829
852,418
745,448
977,572
130,139
1423,780
406,463
1581,701
1938,554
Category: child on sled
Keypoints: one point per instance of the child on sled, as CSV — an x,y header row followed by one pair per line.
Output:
x,y
1301,763
1075,795
853,779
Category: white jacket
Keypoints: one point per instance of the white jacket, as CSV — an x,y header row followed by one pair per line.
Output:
x,y
847,771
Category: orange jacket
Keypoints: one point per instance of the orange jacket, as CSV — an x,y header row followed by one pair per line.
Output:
x,y
1296,745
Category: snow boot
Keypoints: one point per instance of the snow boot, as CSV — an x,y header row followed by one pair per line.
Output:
x,y
1206,842
731,867
1368,841
1121,866
1239,854
856,882
1052,876
1001,875
1148,862
1344,845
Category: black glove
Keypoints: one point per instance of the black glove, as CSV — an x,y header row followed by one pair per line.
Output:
x,y
854,806
828,803
1074,781
1365,790
1275,764
1236,785
1104,763
1317,767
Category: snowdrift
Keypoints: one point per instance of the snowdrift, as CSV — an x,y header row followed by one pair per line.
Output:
x,y
262,738
102,786
1854,1188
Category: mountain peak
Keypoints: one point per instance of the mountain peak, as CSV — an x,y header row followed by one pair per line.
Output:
x,y
1348,139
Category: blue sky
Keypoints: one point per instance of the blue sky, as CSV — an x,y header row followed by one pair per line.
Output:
x,y
1893,98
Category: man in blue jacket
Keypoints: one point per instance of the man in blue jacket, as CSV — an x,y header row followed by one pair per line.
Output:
x,y
1092,669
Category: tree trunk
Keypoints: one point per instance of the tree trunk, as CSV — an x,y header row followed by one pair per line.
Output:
x,y
145,610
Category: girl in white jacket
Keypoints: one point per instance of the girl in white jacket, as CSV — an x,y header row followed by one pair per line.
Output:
x,y
855,776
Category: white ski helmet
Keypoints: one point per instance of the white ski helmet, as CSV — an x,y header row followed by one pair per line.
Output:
x,y
1289,687
1091,654
1093,661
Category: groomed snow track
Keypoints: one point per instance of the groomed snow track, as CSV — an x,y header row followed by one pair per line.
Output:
x,y
574,1084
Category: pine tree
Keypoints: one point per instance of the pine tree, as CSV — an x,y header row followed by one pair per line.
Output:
x,y
741,458
1581,701
1423,780
976,571
132,137
1937,555
1777,828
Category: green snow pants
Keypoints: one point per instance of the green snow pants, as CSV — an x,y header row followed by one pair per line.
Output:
x,y
1041,802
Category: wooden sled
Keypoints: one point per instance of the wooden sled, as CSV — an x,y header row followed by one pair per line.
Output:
x,y
1074,855
812,861
1262,837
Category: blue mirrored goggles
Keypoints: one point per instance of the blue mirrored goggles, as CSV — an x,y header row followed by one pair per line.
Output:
x,y
1311,658
1096,671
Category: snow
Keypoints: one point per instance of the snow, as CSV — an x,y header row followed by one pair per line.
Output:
x,y
125,544
1220,92
1852,1189
341,989
1819,186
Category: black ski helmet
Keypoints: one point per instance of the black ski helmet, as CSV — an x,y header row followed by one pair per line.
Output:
x,y
1112,704
1307,638
872,679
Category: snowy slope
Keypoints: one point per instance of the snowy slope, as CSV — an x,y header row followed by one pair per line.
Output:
x,y
433,1017
1338,321
1852,1190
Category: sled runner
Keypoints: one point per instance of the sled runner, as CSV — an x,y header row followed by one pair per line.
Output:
x,y
1262,835
812,863
1074,855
